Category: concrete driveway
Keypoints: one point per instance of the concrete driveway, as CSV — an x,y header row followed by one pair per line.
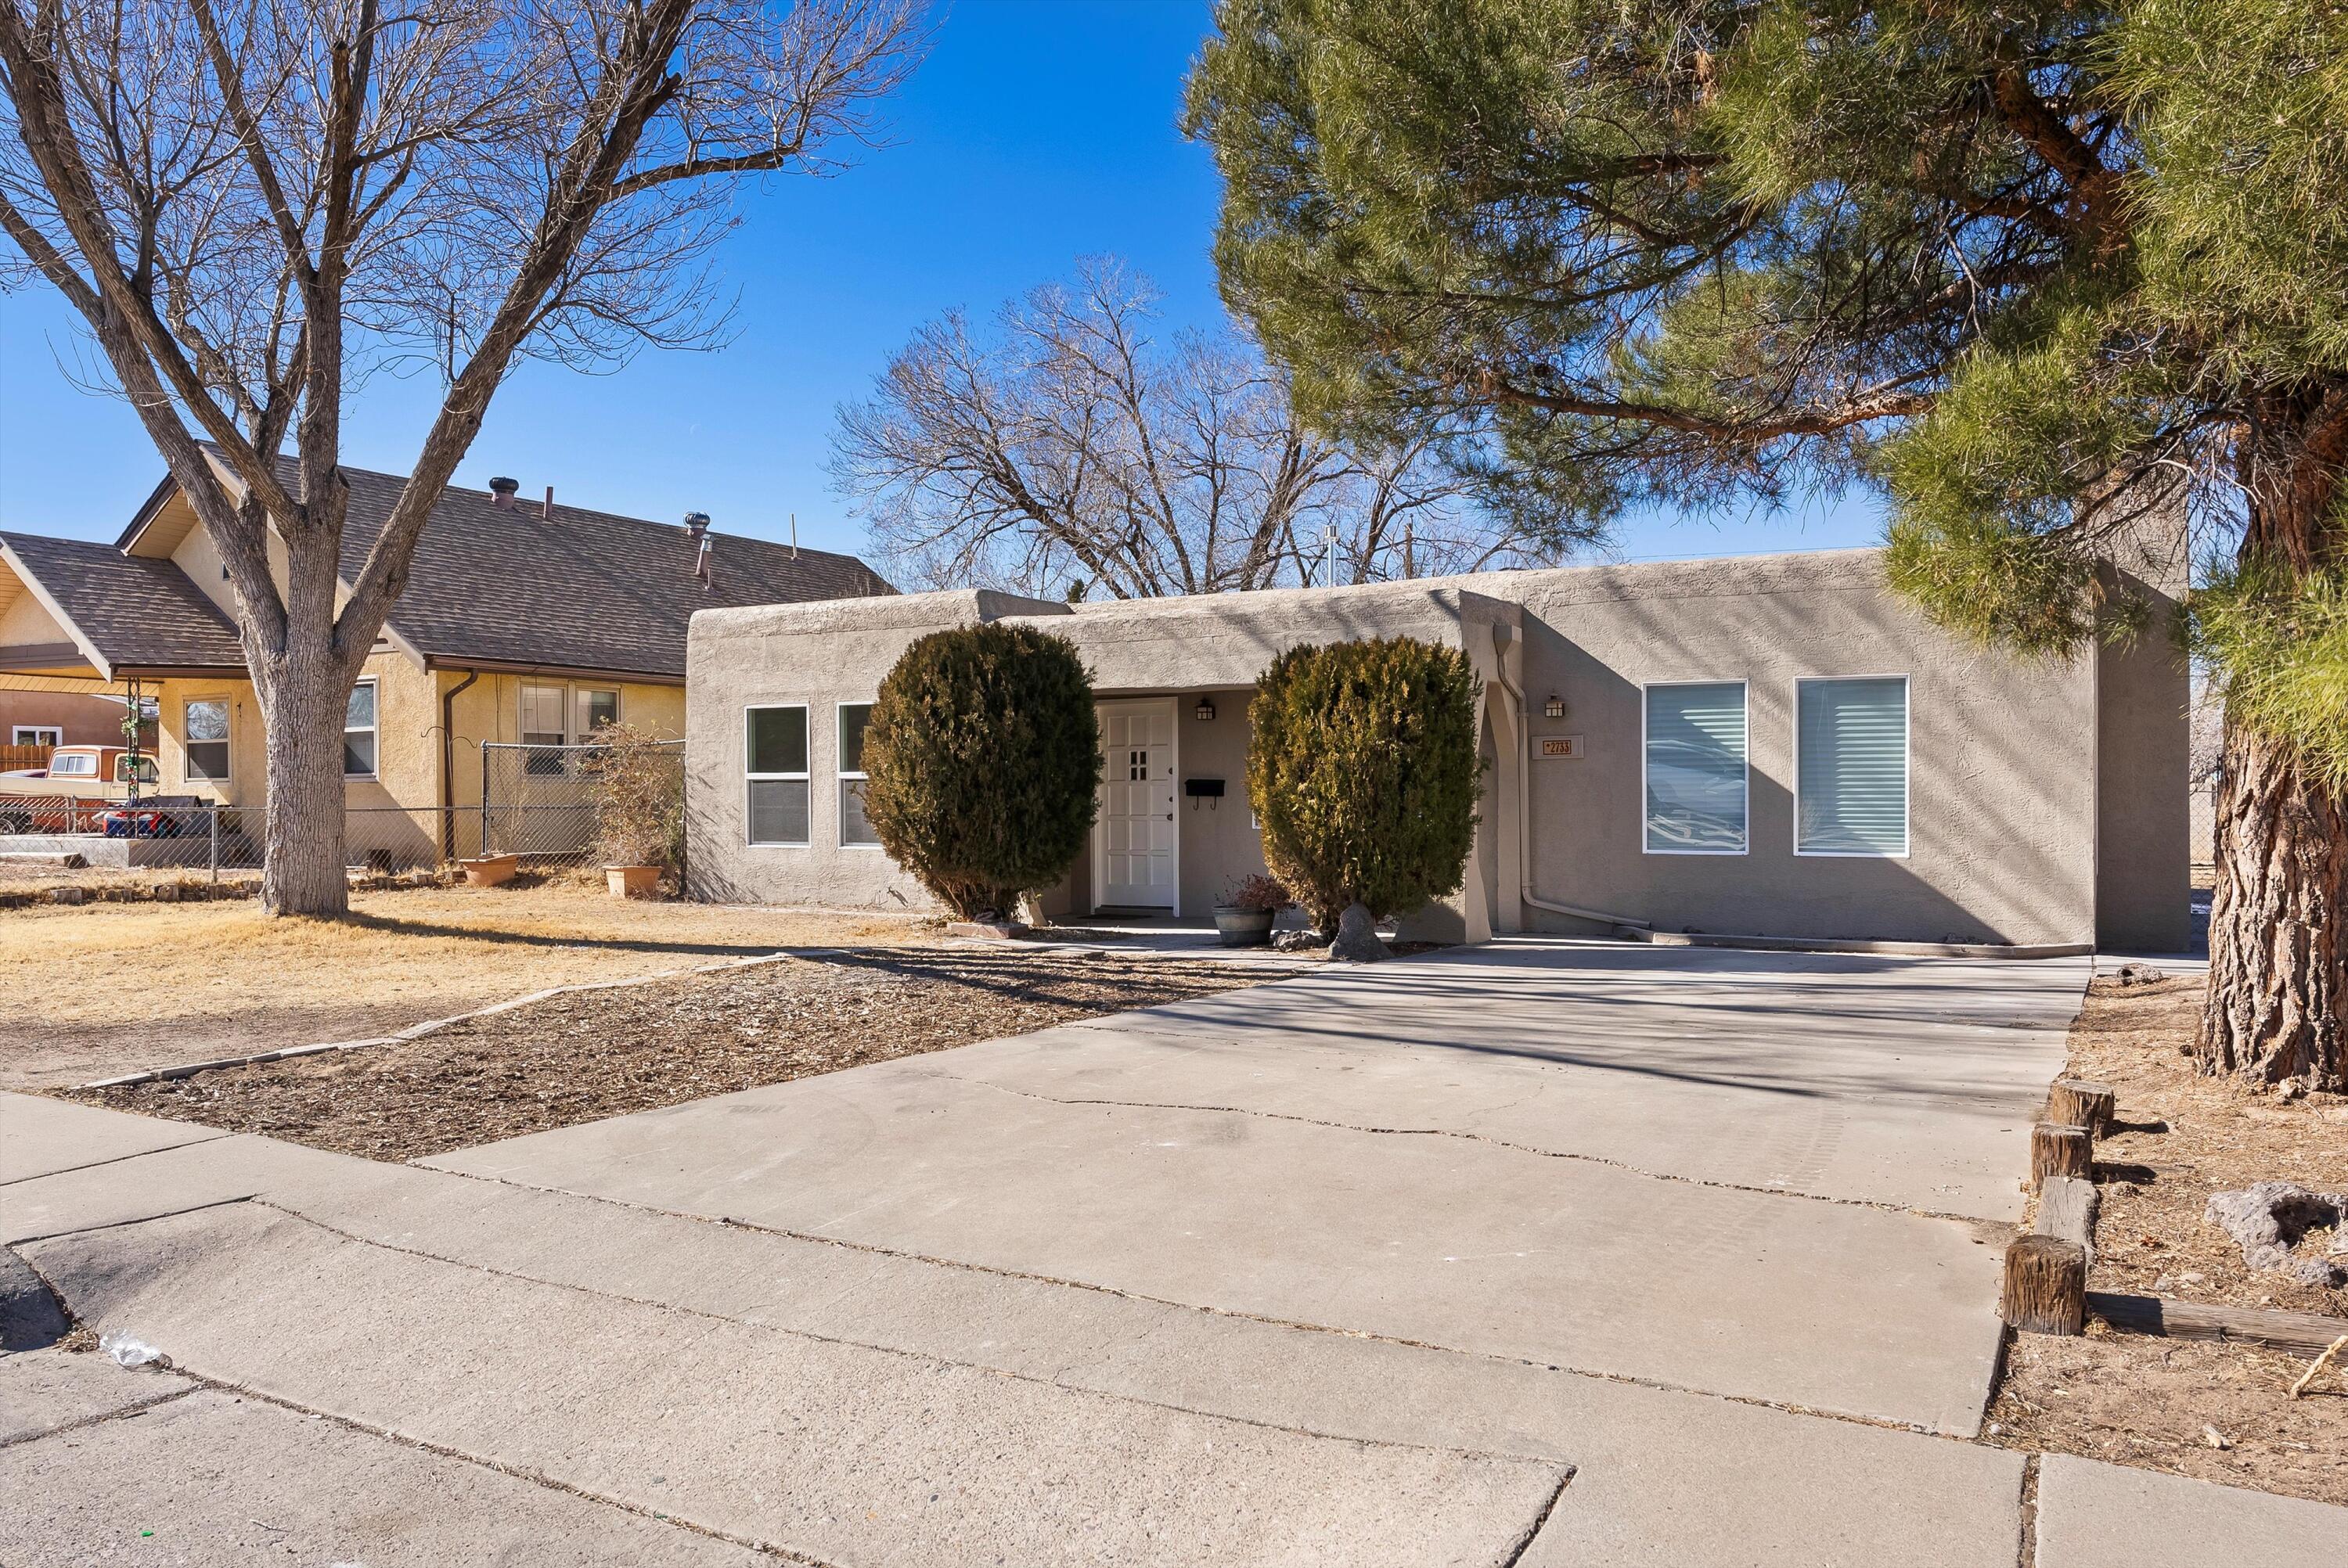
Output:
x,y
1545,1253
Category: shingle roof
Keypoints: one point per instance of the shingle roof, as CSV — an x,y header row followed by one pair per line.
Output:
x,y
582,589
140,614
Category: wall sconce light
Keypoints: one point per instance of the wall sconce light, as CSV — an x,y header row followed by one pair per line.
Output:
x,y
1204,711
1554,708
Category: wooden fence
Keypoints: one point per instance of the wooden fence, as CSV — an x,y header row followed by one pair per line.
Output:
x,y
12,757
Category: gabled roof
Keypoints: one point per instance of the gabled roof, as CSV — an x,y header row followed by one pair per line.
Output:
x,y
134,616
578,590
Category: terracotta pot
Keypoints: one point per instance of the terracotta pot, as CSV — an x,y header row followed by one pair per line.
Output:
x,y
1243,927
633,881
489,870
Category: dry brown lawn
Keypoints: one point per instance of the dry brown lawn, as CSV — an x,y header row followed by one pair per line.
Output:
x,y
588,1054
101,989
2137,1399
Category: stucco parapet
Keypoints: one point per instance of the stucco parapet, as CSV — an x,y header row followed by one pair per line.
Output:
x,y
949,607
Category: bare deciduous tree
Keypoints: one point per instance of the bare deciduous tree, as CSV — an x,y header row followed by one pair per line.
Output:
x,y
253,203
1073,450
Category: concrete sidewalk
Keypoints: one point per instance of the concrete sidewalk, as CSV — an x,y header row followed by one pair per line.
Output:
x,y
1429,1263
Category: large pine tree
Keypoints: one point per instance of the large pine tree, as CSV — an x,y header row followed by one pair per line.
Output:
x,y
2030,267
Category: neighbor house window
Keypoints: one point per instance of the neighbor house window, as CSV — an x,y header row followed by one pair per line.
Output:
x,y
359,733
206,733
1695,783
776,764
542,729
855,827
596,709
37,735
1850,767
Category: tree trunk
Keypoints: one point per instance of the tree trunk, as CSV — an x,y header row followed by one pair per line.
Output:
x,y
2277,962
303,710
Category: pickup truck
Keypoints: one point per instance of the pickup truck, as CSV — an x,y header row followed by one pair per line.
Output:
x,y
74,792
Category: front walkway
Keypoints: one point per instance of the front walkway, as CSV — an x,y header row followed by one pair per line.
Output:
x,y
1544,1253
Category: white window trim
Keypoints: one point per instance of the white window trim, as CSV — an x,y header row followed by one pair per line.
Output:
x,y
374,728
187,769
1744,684
1906,769
749,778
30,735
841,775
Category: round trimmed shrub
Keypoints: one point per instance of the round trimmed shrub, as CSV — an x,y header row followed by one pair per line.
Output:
x,y
1364,772
981,753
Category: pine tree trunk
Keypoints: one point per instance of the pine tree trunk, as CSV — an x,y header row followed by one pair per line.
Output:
x,y
2277,962
303,710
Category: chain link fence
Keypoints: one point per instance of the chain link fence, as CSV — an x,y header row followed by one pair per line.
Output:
x,y
537,803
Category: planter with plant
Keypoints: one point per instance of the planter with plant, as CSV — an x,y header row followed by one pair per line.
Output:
x,y
638,783
1248,907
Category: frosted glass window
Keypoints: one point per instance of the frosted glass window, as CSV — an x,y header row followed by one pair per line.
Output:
x,y
207,739
1696,785
1850,777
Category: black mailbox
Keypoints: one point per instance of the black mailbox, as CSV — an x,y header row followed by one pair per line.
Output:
x,y
1209,789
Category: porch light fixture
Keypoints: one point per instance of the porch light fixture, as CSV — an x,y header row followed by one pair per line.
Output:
x,y
1204,711
1554,708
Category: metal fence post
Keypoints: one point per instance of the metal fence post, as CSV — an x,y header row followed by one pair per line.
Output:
x,y
214,815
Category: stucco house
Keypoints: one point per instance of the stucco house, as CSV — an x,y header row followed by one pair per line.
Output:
x,y
1773,746
524,621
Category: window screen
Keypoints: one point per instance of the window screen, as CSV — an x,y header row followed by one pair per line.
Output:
x,y
855,827
1695,769
207,738
776,755
1850,774
358,731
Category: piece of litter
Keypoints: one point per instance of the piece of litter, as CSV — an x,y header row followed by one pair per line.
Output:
x,y
2214,1438
129,1352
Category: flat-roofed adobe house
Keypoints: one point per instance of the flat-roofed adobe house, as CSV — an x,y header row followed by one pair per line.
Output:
x,y
1775,746
523,621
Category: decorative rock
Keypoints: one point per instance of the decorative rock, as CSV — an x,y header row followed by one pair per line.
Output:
x,y
68,894
990,930
2267,1219
1298,941
1357,937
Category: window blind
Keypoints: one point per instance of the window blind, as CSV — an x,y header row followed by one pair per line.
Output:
x,y
1695,769
1851,767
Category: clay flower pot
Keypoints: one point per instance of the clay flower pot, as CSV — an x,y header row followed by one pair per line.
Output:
x,y
1243,927
633,881
489,870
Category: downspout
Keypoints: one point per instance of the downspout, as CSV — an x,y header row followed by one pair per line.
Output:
x,y
448,766
1525,818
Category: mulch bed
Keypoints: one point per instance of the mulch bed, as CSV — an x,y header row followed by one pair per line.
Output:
x,y
585,1055
2149,1401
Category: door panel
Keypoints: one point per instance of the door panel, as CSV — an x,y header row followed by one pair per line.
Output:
x,y
1138,826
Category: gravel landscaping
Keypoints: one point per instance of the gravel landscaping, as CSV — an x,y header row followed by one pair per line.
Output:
x,y
589,1054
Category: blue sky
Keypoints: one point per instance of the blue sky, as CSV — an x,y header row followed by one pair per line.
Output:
x,y
1038,131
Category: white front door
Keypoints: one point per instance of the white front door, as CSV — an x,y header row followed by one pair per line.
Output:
x,y
1136,865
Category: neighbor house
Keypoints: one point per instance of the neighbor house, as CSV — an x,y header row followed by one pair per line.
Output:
x,y
524,624
1775,746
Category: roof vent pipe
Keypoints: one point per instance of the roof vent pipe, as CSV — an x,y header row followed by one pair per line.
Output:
x,y
546,507
501,492
701,560
696,523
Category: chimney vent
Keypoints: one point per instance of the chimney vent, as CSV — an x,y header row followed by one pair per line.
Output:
x,y
502,491
701,558
696,523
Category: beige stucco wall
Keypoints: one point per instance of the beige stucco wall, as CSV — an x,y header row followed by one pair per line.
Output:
x,y
2004,776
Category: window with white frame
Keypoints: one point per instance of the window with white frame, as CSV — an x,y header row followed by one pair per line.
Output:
x,y
359,732
37,735
1850,767
542,730
204,730
1695,786
774,768
855,827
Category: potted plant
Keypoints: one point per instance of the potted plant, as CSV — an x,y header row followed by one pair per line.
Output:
x,y
639,786
1245,915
